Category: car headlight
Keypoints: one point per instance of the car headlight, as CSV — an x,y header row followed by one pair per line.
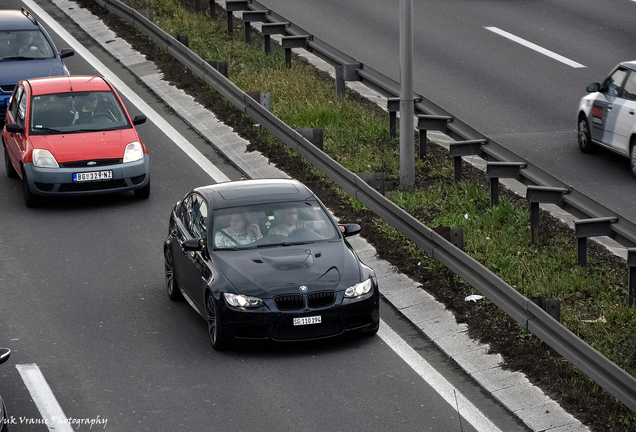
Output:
x,y
359,289
44,159
243,301
133,152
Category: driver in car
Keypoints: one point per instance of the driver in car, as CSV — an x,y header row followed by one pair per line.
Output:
x,y
86,114
291,223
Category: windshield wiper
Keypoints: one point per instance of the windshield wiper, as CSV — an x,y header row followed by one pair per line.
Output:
x,y
17,58
47,129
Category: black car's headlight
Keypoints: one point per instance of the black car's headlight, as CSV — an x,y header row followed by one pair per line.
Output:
x,y
359,289
240,300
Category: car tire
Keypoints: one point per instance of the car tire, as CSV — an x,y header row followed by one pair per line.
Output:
x,y
144,192
585,141
8,166
215,330
171,285
632,157
30,199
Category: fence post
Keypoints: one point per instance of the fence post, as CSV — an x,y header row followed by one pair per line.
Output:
x,y
289,42
497,170
231,6
541,194
631,276
346,72
253,16
464,148
269,29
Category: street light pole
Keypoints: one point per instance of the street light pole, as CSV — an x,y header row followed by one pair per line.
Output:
x,y
407,147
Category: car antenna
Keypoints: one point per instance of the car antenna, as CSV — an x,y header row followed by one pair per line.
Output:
x,y
69,83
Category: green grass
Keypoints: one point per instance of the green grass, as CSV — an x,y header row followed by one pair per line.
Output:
x,y
499,237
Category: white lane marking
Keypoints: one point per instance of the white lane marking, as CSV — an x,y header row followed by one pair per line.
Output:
x,y
468,411
216,174
535,47
52,414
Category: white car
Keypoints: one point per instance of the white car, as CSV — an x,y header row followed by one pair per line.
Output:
x,y
607,115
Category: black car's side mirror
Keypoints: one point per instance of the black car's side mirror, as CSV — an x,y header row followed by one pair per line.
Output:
x,y
4,354
593,87
14,128
351,229
66,52
193,245
139,119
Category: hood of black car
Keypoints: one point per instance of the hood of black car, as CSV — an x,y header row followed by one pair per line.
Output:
x,y
268,272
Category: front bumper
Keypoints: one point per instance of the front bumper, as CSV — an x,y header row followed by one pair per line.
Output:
x,y
59,181
268,323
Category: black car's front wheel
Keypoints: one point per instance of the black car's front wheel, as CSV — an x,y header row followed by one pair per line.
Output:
x,y
215,329
171,287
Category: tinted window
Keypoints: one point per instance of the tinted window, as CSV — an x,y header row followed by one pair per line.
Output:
x,y
195,216
272,224
612,85
629,88
76,112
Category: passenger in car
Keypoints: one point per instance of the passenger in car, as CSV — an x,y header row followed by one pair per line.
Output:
x,y
240,232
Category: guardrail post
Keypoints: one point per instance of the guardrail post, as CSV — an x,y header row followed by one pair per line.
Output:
x,y
430,122
289,42
253,16
313,135
261,97
181,38
464,148
594,227
452,235
393,106
375,180
221,66
212,10
541,194
344,73
231,6
631,275
497,170
148,13
551,306
269,29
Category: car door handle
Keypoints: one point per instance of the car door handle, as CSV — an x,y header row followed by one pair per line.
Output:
x,y
631,112
609,107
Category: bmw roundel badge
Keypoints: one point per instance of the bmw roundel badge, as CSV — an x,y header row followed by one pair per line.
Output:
x,y
303,288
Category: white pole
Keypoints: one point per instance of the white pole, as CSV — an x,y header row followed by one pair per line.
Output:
x,y
407,148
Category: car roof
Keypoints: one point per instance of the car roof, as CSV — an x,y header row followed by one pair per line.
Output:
x,y
630,64
62,84
249,192
15,20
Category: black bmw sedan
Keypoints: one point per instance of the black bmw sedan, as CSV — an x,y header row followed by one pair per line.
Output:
x,y
264,260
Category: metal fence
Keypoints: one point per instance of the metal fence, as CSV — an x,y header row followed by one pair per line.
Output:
x,y
608,375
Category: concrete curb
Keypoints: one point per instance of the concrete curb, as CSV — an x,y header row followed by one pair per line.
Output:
x,y
512,389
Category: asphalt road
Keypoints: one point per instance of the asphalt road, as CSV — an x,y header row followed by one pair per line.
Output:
x,y
520,98
82,296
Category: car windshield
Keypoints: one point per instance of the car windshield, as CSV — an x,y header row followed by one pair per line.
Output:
x,y
272,224
24,45
76,112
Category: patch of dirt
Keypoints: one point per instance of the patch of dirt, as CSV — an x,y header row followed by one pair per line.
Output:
x,y
486,323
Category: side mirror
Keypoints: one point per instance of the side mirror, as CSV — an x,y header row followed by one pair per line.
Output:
x,y
193,245
66,52
351,229
593,87
4,354
14,128
139,119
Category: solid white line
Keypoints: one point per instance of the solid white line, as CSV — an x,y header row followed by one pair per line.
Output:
x,y
535,47
216,174
468,411
52,414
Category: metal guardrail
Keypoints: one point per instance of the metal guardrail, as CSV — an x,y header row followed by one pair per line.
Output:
x,y
608,375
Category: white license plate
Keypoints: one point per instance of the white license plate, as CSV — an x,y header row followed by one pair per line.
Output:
x,y
307,320
92,176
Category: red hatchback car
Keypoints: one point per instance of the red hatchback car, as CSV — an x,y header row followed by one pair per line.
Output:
x,y
72,136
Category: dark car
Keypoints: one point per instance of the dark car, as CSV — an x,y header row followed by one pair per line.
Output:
x,y
264,260
26,51
4,418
